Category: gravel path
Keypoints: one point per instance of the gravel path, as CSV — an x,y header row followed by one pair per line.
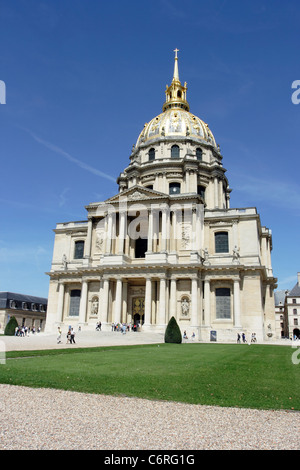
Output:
x,y
47,419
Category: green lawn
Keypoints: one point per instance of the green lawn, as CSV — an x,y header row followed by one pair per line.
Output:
x,y
256,376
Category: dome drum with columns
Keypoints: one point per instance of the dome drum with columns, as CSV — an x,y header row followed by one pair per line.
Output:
x,y
168,244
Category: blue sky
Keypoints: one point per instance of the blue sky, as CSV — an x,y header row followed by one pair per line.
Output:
x,y
83,76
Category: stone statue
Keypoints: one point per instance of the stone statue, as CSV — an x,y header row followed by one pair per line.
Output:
x,y
236,255
185,307
95,306
65,261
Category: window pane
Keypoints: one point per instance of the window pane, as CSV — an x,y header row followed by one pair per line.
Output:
x,y
175,151
221,242
199,154
174,188
74,303
223,303
79,249
151,154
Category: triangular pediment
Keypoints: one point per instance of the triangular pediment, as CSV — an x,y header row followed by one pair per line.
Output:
x,y
137,193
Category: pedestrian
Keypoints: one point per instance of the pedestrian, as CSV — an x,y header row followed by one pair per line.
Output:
x,y
72,336
238,338
59,336
244,337
69,336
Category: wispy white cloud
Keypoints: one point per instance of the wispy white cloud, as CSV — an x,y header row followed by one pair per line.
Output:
x,y
62,197
275,192
287,282
69,157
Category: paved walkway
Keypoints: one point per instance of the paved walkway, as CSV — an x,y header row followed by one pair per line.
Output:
x,y
89,338
83,339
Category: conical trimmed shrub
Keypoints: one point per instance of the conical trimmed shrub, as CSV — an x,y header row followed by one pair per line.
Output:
x,y
173,333
10,327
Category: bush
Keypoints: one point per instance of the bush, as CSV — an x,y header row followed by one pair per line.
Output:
x,y
10,327
173,333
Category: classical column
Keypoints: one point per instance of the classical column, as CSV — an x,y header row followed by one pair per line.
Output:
x,y
162,302
83,302
173,299
206,302
236,303
122,220
124,300
60,305
194,317
164,229
187,181
216,192
109,234
148,301
104,306
150,232
100,295
118,302
88,241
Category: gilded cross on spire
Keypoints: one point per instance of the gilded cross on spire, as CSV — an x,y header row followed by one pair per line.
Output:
x,y
176,50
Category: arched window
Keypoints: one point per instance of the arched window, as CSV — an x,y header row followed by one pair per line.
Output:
x,y
74,302
223,309
151,154
79,249
175,151
199,154
221,242
201,191
178,94
174,188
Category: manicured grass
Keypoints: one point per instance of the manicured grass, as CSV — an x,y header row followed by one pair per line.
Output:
x,y
236,375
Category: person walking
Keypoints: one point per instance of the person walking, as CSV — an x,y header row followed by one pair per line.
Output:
x,y
59,335
72,336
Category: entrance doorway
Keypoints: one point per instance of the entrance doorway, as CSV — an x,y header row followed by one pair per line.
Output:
x,y
140,247
296,333
138,310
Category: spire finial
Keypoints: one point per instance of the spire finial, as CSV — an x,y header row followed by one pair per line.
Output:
x,y
176,73
176,93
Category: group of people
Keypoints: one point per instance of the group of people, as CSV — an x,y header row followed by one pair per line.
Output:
x,y
70,336
124,327
253,338
25,330
186,337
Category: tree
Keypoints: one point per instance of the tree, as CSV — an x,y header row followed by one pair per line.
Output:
x,y
10,327
173,333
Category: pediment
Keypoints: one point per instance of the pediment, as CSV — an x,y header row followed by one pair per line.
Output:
x,y
137,193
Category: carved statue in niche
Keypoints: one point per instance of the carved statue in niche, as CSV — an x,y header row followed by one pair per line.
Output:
x,y
65,261
236,255
100,241
185,307
95,306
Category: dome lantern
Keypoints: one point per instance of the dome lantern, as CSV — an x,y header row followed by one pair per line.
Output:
x,y
176,93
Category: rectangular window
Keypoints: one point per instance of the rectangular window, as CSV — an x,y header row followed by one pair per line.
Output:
x,y
221,242
74,302
223,309
79,249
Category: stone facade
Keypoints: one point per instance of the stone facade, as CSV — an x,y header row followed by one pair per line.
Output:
x,y
168,244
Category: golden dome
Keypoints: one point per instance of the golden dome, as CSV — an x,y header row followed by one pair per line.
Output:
x,y
176,120
175,123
